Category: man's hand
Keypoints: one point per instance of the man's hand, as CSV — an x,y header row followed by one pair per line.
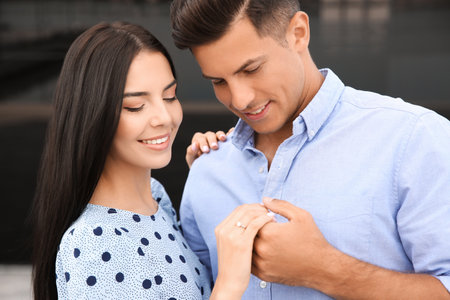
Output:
x,y
291,253
296,253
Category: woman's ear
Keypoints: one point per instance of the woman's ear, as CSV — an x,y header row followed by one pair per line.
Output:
x,y
298,31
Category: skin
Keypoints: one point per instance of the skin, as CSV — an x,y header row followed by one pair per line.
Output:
x,y
249,72
151,111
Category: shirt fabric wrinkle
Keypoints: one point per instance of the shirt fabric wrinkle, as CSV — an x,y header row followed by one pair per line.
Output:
x,y
356,163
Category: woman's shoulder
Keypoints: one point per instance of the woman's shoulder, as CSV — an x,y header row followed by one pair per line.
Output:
x,y
161,196
95,226
158,191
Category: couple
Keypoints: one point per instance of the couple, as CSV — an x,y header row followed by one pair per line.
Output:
x,y
365,176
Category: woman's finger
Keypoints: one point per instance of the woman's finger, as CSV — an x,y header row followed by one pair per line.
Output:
x,y
257,223
212,140
191,155
243,214
221,136
200,140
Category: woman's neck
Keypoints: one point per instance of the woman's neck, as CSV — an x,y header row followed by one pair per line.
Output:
x,y
125,187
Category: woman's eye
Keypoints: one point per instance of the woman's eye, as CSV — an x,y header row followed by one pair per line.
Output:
x,y
135,109
170,99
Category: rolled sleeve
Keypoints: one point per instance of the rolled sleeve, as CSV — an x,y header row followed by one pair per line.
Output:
x,y
424,193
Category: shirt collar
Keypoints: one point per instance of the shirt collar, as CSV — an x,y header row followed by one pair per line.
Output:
x,y
323,103
313,116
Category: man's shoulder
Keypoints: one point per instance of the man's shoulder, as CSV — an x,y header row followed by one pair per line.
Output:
x,y
225,155
367,100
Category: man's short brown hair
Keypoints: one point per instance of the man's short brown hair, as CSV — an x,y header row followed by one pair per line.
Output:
x,y
199,22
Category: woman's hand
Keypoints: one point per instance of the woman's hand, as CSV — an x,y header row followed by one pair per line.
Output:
x,y
235,237
203,142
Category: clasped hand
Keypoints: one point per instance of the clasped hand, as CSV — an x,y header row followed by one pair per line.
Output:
x,y
249,239
293,252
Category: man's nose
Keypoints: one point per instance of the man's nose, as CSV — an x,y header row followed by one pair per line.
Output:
x,y
242,94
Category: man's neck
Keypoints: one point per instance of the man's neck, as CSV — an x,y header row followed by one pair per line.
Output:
x,y
269,143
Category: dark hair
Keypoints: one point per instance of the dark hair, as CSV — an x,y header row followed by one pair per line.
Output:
x,y
198,22
87,106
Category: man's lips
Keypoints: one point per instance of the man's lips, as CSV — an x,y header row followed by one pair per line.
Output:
x,y
258,113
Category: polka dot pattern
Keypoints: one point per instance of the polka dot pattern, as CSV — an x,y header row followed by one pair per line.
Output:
x,y
106,256
119,277
147,284
91,280
98,231
112,253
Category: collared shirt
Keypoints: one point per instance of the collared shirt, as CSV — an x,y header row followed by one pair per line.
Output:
x,y
373,171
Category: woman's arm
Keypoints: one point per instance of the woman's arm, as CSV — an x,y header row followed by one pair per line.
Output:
x,y
235,236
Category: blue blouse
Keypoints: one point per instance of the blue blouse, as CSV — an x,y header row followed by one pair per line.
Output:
x,y
109,253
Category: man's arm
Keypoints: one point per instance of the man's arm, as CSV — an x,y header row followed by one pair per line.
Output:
x,y
190,229
296,253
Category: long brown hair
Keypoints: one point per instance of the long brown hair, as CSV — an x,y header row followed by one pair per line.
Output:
x,y
87,106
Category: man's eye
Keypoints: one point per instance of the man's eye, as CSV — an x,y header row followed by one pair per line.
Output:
x,y
252,70
135,109
218,81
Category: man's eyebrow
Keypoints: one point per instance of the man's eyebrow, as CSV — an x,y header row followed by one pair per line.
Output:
x,y
240,69
140,94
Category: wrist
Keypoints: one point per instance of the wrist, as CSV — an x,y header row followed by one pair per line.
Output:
x,y
331,272
227,290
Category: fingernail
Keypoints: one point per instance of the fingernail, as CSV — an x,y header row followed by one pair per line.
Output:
x,y
194,147
205,149
213,145
222,137
267,199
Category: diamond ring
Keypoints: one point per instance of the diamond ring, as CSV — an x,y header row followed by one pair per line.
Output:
x,y
239,224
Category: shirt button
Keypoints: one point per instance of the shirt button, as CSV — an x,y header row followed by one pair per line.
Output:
x,y
261,170
262,284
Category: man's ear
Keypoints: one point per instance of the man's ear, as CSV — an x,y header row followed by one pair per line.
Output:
x,y
297,33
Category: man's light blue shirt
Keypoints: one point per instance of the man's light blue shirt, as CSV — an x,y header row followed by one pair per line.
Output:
x,y
373,171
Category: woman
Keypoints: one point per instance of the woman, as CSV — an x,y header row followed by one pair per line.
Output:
x,y
102,224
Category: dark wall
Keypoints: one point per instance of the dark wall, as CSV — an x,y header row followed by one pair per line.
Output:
x,y
399,48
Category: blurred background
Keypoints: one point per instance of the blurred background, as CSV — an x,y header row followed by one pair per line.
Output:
x,y
396,47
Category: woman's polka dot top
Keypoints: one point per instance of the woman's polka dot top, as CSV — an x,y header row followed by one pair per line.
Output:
x,y
109,253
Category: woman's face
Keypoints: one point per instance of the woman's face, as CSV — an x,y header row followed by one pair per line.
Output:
x,y
151,114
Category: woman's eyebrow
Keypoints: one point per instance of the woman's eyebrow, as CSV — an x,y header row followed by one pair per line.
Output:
x,y
135,94
170,85
139,94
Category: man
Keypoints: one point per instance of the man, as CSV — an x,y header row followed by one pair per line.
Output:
x,y
365,177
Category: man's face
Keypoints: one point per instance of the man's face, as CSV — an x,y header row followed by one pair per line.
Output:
x,y
257,78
